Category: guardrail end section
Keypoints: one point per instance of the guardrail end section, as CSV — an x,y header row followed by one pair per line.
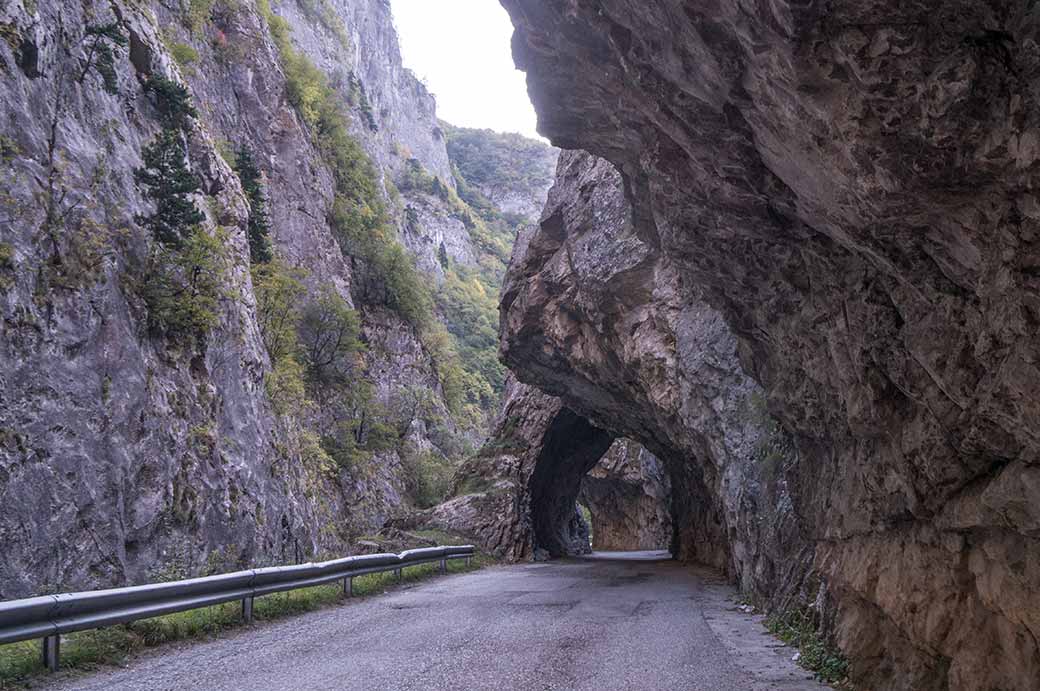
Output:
x,y
52,652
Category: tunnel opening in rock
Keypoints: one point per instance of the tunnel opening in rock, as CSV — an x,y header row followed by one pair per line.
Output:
x,y
628,499
572,447
590,492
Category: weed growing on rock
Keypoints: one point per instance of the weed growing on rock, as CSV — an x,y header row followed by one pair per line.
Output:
x,y
6,265
184,55
797,628
199,12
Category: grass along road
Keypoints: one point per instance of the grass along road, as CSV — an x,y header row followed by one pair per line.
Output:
x,y
87,651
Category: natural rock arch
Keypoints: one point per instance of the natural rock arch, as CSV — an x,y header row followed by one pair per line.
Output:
x,y
572,447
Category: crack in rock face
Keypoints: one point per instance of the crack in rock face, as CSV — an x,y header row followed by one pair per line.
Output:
x,y
845,191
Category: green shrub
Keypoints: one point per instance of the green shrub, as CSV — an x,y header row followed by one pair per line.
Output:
x,y
278,289
9,149
343,448
172,100
6,265
100,55
430,475
416,178
325,14
198,15
285,387
357,96
314,456
329,333
184,54
186,283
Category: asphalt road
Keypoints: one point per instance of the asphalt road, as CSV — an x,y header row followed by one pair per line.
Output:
x,y
603,623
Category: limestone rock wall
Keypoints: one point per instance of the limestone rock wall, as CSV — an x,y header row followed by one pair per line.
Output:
x,y
123,458
589,307
849,187
517,496
629,495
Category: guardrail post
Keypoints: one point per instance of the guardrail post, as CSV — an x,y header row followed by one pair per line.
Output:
x,y
51,652
348,586
467,562
397,572
444,566
247,610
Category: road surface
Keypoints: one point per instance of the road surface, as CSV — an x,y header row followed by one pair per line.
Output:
x,y
623,621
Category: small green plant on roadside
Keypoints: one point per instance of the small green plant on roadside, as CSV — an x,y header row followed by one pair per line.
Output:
x,y
798,629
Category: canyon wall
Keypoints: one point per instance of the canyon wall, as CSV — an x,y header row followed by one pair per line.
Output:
x,y
848,187
628,494
589,307
181,393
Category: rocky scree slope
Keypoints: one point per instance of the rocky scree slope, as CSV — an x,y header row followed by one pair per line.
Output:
x,y
849,185
215,346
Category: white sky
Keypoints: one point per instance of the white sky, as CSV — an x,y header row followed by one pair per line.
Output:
x,y
460,49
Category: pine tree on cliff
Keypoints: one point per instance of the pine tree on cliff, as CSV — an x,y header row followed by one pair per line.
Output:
x,y
259,220
165,174
169,183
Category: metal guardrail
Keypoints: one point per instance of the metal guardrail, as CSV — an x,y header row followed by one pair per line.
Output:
x,y
49,616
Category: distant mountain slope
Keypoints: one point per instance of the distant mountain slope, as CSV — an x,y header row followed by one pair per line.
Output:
x,y
511,171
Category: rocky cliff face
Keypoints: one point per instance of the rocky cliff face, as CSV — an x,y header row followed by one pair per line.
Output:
x,y
517,495
596,315
628,494
175,404
848,188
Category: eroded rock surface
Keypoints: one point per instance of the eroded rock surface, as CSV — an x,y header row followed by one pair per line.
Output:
x,y
517,496
648,366
629,496
124,456
849,187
